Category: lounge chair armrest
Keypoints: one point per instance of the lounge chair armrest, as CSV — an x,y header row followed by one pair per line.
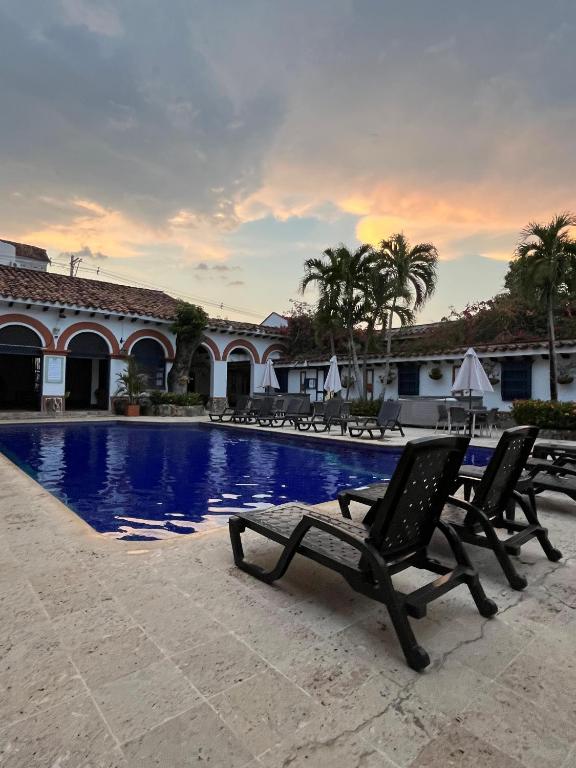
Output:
x,y
533,466
468,507
341,529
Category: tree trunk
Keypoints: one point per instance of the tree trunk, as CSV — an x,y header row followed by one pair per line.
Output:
x,y
552,351
355,365
180,371
369,333
388,348
332,344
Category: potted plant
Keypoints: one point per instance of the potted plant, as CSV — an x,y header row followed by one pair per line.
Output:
x,y
131,383
565,377
435,373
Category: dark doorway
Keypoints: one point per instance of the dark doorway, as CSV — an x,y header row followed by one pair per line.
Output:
x,y
151,362
87,373
238,382
20,369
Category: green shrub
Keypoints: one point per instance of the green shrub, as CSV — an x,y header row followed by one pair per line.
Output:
x,y
174,398
545,414
365,407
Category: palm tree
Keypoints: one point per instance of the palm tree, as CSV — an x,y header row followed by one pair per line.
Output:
x,y
341,276
326,274
411,273
380,304
547,261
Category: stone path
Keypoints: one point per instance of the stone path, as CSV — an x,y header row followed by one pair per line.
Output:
x,y
131,655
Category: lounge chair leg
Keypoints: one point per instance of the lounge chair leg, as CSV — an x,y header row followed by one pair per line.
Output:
x,y
486,606
344,503
237,527
415,655
514,579
529,508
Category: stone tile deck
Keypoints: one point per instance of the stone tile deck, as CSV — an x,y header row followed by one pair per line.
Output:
x,y
131,655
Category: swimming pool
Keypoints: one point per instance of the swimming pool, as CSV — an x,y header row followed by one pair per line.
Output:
x,y
150,481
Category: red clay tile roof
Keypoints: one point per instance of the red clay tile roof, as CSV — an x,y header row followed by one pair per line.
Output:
x,y
51,288
24,251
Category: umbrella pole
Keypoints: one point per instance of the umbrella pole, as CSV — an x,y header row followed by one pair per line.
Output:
x,y
470,415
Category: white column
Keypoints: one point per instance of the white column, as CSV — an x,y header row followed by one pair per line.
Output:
x,y
219,378
117,365
53,382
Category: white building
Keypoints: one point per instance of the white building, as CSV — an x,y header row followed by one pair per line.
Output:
x,y
63,340
517,370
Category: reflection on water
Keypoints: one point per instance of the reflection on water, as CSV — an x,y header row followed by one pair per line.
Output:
x,y
151,481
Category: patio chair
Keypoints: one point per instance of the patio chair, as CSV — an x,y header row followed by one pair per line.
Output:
x,y
457,419
397,537
499,489
321,422
443,420
388,418
488,421
229,413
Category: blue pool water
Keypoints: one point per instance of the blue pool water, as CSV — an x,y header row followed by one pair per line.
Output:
x,y
148,481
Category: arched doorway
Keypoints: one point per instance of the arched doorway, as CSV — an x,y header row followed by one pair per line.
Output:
x,y
20,368
201,373
151,360
239,374
87,372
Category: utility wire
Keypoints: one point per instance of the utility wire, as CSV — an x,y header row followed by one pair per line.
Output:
x,y
142,284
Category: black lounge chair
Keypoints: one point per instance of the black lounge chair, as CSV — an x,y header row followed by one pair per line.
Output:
x,y
558,476
388,418
242,408
321,422
499,488
261,408
293,409
396,537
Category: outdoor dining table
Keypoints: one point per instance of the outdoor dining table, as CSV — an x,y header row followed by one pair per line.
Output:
x,y
472,413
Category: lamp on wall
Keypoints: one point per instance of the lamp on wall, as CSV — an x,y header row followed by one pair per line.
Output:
x,y
56,333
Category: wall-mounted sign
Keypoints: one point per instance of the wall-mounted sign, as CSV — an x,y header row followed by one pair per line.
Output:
x,y
54,370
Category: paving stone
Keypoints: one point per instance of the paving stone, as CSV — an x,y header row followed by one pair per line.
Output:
x,y
92,623
318,745
458,748
176,623
108,658
135,703
265,709
531,734
213,667
548,681
72,735
35,673
196,738
404,728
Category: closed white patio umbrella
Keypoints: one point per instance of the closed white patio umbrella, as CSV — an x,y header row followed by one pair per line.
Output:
x,y
333,383
471,376
269,379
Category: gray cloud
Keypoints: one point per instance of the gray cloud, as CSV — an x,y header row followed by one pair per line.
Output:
x,y
86,254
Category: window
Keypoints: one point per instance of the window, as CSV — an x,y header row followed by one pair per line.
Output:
x,y
151,362
516,380
408,379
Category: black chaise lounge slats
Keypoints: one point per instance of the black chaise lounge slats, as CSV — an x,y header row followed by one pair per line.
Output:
x,y
292,411
397,537
496,497
388,419
229,413
558,476
322,422
260,408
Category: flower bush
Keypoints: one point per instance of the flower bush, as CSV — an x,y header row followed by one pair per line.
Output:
x,y
545,414
174,398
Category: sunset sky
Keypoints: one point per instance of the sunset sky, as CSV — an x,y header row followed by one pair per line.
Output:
x,y
210,146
